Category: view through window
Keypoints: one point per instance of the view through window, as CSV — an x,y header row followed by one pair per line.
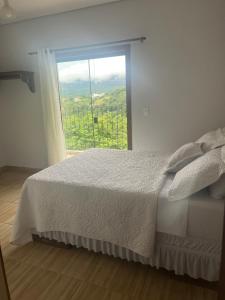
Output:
x,y
94,102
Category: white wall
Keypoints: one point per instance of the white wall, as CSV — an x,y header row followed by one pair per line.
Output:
x,y
2,157
2,161
179,71
21,126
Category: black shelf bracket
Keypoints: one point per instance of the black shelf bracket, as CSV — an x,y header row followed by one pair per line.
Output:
x,y
25,76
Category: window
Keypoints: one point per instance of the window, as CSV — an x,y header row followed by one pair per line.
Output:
x,y
95,98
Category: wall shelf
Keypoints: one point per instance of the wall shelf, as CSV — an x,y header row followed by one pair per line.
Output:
x,y
25,76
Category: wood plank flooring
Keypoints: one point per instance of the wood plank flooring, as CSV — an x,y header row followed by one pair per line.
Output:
x,y
39,271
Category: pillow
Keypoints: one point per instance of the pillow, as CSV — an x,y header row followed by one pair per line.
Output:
x,y
199,174
223,153
217,190
183,156
212,139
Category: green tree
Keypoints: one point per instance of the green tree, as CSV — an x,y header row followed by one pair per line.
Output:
x,y
104,126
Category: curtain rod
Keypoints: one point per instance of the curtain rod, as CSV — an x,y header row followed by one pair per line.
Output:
x,y
139,39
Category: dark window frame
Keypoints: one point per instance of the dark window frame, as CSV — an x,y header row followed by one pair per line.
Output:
x,y
104,52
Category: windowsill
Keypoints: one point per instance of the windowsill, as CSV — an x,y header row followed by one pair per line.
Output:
x,y
71,153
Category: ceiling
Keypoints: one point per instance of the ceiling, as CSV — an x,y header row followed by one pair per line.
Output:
x,y
29,9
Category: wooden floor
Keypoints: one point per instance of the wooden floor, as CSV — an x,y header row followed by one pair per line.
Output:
x,y
39,271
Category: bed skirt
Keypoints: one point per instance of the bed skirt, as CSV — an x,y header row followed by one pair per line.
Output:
x,y
194,257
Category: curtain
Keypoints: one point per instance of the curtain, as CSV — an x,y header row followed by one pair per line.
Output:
x,y
51,106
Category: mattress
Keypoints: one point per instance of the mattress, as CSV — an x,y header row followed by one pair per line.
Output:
x,y
198,216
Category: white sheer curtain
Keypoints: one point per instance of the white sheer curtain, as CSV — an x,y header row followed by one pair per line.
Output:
x,y
51,106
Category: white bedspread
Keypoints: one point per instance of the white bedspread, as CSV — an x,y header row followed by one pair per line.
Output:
x,y
106,195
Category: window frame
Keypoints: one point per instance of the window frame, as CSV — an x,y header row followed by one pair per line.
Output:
x,y
104,52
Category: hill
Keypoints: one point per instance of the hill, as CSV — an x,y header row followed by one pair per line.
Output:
x,y
82,87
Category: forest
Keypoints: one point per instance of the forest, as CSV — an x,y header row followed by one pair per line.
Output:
x,y
97,121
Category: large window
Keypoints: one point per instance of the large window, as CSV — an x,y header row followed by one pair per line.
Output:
x,y
95,99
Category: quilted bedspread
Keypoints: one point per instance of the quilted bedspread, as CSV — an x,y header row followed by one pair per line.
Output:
x,y
107,195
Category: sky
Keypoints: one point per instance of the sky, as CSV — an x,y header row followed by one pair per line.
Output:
x,y
101,69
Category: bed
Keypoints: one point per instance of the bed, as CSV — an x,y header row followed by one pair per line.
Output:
x,y
116,202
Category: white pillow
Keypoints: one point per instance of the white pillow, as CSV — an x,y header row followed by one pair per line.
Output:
x,y
183,156
199,174
217,190
223,153
212,139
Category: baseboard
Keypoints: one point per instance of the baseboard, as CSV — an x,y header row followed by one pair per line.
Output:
x,y
19,169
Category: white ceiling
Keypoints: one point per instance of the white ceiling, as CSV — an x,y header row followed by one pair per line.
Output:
x,y
28,9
